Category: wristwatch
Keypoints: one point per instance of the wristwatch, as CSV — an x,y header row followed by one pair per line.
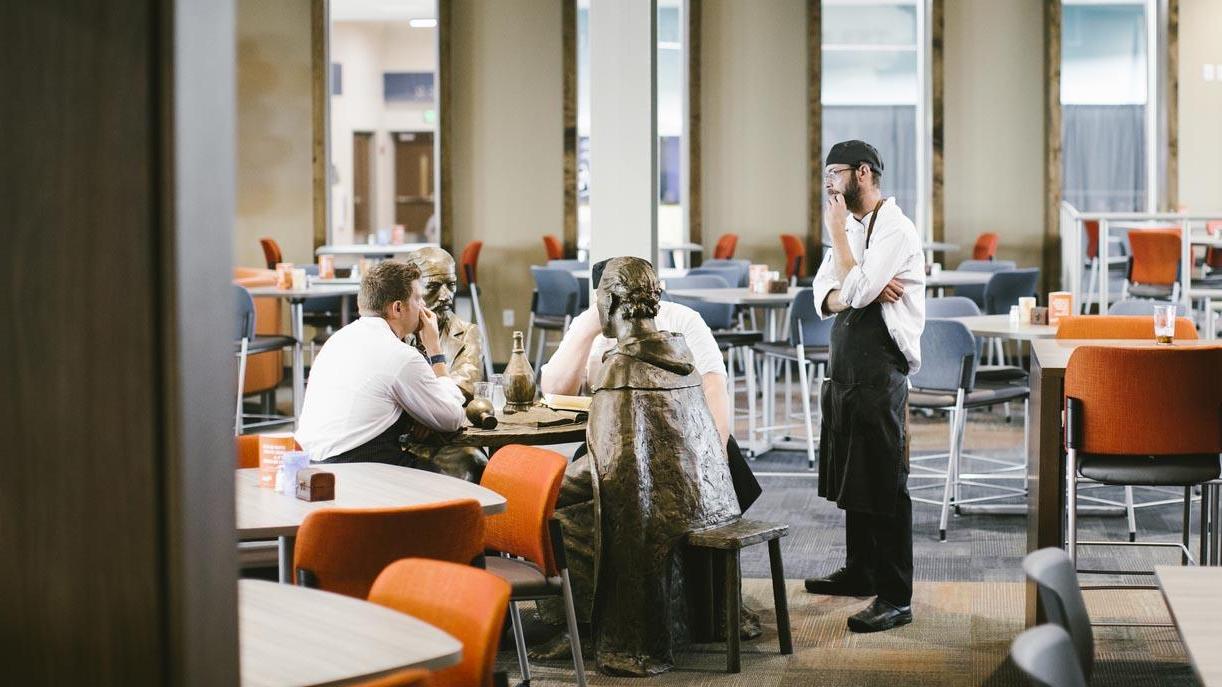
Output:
x,y
440,358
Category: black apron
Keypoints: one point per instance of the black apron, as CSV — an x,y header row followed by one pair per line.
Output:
x,y
862,457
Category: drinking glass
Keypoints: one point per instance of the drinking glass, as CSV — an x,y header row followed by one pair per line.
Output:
x,y
498,394
1164,323
484,390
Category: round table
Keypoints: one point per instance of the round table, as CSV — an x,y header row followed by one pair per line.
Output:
x,y
1000,327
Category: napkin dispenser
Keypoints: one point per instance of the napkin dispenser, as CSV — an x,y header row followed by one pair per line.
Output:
x,y
315,485
1039,315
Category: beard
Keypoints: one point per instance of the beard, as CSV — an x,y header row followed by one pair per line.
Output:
x,y
852,196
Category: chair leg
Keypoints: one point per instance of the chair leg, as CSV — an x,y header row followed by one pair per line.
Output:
x,y
1186,534
530,334
237,420
804,382
1131,513
779,597
539,353
750,365
1071,506
519,640
570,614
946,488
733,612
1205,556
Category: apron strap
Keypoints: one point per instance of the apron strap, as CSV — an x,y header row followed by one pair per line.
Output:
x,y
874,216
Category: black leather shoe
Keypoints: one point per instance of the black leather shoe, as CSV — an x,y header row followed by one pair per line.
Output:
x,y
880,616
843,582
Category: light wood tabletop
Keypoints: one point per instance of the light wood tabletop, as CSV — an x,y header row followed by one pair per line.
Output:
x,y
264,513
738,296
1194,596
1054,353
372,249
1000,326
956,278
298,636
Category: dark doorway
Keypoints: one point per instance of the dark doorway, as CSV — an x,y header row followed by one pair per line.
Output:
x,y
413,180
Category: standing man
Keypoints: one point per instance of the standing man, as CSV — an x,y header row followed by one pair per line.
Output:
x,y
873,281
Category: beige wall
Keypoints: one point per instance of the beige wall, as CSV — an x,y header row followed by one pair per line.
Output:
x,y
1200,114
507,174
994,126
753,102
275,177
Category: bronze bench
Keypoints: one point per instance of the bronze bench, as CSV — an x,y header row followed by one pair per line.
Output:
x,y
729,540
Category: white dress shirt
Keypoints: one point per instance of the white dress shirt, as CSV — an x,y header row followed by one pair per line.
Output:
x,y
672,317
895,251
361,380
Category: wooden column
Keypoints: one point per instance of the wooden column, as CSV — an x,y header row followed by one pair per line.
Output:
x,y
695,216
1051,267
814,133
1172,76
445,129
568,51
937,200
320,115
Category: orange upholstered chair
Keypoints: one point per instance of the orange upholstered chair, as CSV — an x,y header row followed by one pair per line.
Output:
x,y
529,479
466,602
271,252
1142,416
1118,327
248,451
986,246
469,261
1154,269
264,371
795,256
553,246
724,250
413,677
342,550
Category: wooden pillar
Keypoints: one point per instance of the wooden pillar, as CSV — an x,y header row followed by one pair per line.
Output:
x,y
814,133
320,115
568,51
445,126
1051,267
695,216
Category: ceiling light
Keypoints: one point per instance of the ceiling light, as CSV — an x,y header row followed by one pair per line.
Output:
x,y
423,23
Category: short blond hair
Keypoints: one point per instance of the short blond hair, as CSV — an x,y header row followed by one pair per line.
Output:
x,y
385,283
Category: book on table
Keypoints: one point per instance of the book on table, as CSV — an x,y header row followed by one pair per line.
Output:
x,y
580,404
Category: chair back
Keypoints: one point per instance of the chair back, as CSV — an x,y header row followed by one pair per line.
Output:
x,y
724,250
557,292
743,268
570,265
1006,287
468,262
986,247
463,601
805,325
948,357
344,549
795,254
717,316
1052,571
1045,654
244,321
1118,327
1146,401
951,306
271,252
529,479
976,291
1156,256
264,371
1142,306
553,246
247,446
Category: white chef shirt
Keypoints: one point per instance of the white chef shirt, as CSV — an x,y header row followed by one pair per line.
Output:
x,y
361,380
672,317
895,251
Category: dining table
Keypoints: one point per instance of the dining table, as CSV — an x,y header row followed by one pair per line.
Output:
x,y
1046,453
263,513
290,636
773,302
1194,597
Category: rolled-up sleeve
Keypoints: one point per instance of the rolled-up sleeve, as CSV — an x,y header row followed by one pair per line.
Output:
x,y
879,263
437,402
825,282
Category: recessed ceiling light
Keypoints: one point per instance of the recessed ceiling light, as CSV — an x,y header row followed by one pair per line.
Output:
x,y
423,23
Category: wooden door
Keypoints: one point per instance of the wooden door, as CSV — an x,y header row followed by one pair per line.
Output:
x,y
413,180
362,185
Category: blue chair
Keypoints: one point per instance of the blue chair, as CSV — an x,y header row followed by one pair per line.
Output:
x,y
1060,597
248,343
976,291
1006,287
1045,655
743,267
730,273
570,265
583,292
1142,307
553,305
959,306
947,382
810,338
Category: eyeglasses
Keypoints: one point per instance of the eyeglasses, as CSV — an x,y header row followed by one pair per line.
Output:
x,y
828,176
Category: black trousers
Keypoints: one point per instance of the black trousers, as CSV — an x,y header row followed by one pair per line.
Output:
x,y
384,448
880,548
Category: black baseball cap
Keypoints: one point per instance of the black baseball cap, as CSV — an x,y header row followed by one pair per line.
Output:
x,y
854,153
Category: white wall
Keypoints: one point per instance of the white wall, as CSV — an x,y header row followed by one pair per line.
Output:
x,y
1200,111
993,100
275,136
753,107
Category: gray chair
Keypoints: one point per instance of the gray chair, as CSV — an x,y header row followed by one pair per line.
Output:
x,y
553,306
248,343
1060,597
732,274
1045,655
808,346
947,382
960,306
1006,287
743,267
976,291
583,283
1142,307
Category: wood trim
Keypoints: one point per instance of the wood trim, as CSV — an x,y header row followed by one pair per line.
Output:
x,y
938,78
814,133
695,208
445,133
568,52
1172,172
1051,268
320,96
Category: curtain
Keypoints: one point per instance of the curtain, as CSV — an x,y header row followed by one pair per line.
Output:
x,y
891,129
1104,157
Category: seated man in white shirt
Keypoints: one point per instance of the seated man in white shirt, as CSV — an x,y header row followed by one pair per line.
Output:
x,y
579,358
367,386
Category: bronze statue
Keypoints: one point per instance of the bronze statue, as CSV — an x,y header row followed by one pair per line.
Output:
x,y
656,470
463,346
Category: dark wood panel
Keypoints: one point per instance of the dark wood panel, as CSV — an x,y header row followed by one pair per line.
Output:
x,y
814,134
695,183
320,114
1045,483
445,124
1050,272
568,66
